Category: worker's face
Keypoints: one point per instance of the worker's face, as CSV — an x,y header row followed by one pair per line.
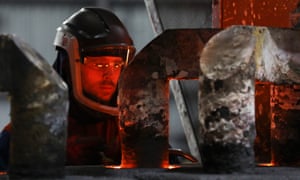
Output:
x,y
100,76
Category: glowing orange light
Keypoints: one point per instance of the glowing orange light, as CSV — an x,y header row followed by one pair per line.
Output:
x,y
113,166
266,164
119,167
173,166
273,13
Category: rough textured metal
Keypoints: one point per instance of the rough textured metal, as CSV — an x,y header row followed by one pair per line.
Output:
x,y
275,13
176,88
277,55
285,125
144,94
39,103
280,64
226,101
230,62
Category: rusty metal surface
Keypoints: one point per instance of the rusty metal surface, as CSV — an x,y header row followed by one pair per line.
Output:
x,y
226,101
230,63
176,88
262,146
277,55
39,104
143,88
285,126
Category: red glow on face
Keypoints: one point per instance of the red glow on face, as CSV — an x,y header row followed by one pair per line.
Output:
x,y
100,76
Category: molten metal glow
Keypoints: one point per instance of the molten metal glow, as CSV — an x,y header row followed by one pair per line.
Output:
x,y
174,166
3,173
113,166
274,13
119,167
266,164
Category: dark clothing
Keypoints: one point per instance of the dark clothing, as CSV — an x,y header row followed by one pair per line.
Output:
x,y
87,143
93,143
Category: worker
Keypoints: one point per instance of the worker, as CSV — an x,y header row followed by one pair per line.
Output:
x,y
93,46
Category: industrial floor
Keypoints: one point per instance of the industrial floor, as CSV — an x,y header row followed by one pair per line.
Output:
x,y
187,173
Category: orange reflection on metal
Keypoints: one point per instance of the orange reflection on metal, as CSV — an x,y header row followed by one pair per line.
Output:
x,y
269,164
119,167
173,166
137,162
263,118
266,164
273,13
138,152
113,167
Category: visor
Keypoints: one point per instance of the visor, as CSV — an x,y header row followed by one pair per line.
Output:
x,y
125,52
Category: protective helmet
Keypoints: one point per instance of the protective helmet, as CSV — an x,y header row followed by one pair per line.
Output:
x,y
92,32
